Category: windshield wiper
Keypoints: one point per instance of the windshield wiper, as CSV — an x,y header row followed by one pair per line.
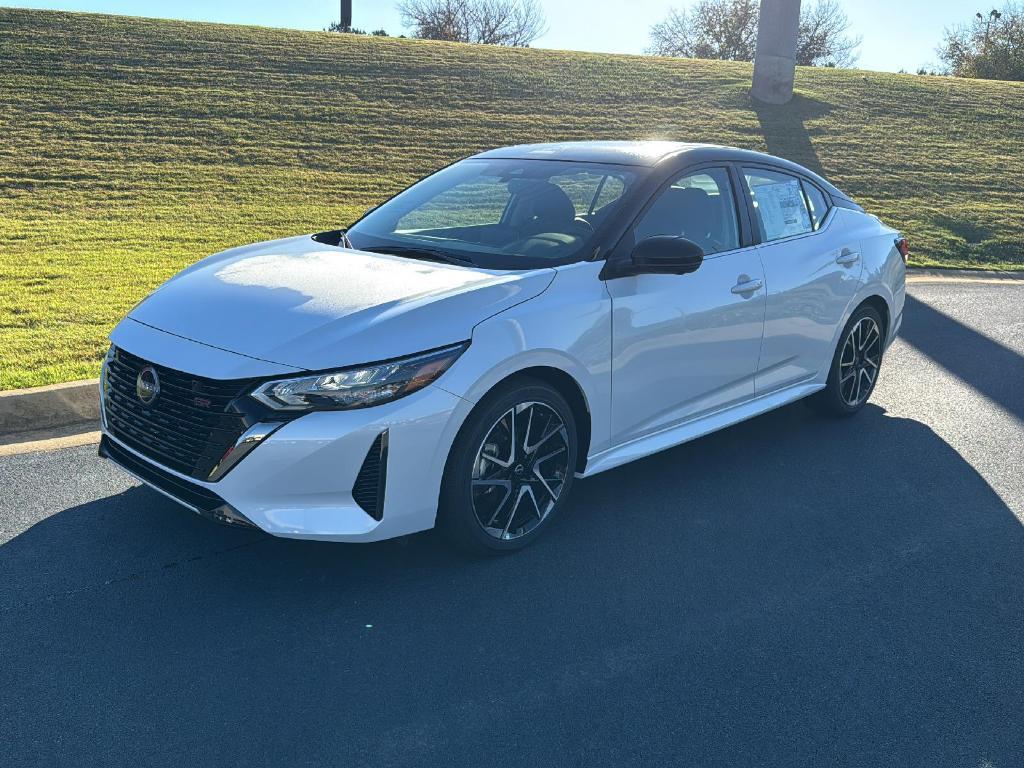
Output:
x,y
412,252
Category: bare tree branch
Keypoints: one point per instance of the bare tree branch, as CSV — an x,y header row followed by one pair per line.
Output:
x,y
822,40
514,23
727,29
712,29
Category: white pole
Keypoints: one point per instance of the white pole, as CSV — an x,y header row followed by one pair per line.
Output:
x,y
775,60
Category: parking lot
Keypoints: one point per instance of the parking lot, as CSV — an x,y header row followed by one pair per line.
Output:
x,y
792,591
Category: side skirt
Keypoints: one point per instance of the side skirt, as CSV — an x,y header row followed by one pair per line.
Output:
x,y
691,430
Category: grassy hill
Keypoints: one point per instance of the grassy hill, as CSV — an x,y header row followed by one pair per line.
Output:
x,y
130,148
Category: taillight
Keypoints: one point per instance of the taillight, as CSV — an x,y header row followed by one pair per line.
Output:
x,y
904,248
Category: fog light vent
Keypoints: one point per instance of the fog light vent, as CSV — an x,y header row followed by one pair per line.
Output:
x,y
370,482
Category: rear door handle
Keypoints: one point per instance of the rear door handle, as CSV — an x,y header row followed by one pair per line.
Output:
x,y
847,257
748,286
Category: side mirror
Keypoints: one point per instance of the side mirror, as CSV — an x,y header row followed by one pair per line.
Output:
x,y
665,255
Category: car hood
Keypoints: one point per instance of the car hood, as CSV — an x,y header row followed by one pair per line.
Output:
x,y
298,303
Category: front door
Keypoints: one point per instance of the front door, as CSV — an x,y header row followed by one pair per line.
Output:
x,y
684,346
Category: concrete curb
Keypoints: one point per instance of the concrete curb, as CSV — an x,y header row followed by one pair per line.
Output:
x,y
77,403
29,442
967,275
56,405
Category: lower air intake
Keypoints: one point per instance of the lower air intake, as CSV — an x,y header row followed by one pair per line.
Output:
x,y
368,491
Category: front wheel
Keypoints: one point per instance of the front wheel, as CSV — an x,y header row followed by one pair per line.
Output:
x,y
855,366
510,470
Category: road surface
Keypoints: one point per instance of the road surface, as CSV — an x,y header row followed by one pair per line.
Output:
x,y
791,591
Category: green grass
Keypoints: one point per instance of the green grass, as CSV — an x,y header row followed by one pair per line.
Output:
x,y
130,148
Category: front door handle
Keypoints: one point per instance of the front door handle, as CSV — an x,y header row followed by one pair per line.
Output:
x,y
847,257
747,285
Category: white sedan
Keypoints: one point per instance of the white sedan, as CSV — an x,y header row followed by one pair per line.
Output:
x,y
519,319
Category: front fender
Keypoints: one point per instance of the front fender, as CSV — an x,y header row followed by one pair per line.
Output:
x,y
567,328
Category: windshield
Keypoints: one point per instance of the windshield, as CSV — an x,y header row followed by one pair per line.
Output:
x,y
498,214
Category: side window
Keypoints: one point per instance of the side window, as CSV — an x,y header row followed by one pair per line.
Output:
x,y
818,203
698,206
779,203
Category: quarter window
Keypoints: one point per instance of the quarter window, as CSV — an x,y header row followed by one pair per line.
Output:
x,y
779,203
698,206
818,204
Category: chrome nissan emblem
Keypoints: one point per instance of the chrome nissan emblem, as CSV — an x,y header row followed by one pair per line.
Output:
x,y
147,385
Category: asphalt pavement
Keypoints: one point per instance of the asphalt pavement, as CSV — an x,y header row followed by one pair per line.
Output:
x,y
793,591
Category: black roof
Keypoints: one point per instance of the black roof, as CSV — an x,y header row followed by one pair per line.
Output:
x,y
641,153
647,154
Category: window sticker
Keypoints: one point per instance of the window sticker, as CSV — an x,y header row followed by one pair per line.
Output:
x,y
782,209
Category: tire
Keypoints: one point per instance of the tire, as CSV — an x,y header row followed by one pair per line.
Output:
x,y
858,354
496,498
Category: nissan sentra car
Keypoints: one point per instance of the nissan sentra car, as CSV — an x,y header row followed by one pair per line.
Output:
x,y
520,319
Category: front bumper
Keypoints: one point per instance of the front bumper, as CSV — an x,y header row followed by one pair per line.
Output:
x,y
298,482
188,494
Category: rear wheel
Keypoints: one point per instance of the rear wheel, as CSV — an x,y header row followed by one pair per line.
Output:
x,y
510,469
855,366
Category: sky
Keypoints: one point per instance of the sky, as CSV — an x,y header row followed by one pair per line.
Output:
x,y
898,34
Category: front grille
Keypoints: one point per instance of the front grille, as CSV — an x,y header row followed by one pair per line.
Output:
x,y
368,491
187,427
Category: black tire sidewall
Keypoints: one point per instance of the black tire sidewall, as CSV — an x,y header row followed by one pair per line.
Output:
x,y
455,516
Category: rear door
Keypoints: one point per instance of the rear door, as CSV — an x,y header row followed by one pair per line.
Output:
x,y
686,345
812,274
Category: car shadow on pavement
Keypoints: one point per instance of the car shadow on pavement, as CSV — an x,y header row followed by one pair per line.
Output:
x,y
791,591
996,371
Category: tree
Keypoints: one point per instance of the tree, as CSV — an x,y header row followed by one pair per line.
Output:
x,y
822,40
336,26
727,29
712,29
514,23
991,47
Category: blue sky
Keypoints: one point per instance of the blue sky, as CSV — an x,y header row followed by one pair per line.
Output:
x,y
898,34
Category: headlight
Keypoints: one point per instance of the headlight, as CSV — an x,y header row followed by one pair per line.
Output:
x,y
358,387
